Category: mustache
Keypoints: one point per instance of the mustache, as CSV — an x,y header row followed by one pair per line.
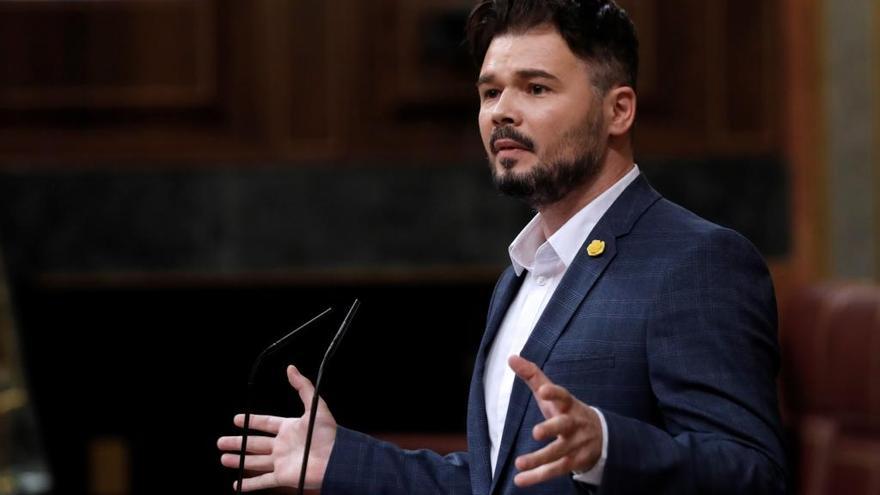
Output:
x,y
508,132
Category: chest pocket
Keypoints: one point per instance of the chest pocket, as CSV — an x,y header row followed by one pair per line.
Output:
x,y
574,364
583,373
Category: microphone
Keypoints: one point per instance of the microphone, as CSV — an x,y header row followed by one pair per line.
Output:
x,y
277,345
334,344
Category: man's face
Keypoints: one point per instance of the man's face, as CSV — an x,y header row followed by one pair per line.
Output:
x,y
540,119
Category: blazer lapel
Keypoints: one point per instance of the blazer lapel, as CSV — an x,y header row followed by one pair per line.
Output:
x,y
507,287
478,427
579,279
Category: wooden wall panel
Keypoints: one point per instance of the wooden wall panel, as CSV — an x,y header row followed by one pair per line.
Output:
x,y
322,77
202,80
802,143
313,82
679,48
746,38
708,78
120,54
431,66
415,96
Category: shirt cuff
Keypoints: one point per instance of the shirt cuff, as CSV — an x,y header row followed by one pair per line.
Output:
x,y
593,476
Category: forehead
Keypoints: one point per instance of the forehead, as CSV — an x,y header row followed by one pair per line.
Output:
x,y
539,48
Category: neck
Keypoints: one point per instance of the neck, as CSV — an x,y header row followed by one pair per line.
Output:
x,y
555,215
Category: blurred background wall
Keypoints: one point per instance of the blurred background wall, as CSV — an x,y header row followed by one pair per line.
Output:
x,y
181,181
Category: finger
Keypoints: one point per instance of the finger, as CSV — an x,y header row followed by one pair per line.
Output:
x,y
544,472
260,422
556,394
259,482
255,445
528,372
548,454
260,463
561,425
302,385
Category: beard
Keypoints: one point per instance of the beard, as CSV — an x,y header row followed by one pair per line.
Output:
x,y
575,161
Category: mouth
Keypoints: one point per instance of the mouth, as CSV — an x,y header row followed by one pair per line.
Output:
x,y
508,146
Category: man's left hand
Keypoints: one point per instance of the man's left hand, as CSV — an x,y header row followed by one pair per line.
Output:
x,y
575,426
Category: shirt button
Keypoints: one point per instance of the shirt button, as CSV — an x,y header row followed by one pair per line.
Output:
x,y
541,280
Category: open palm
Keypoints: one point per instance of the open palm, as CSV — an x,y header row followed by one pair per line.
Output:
x,y
274,460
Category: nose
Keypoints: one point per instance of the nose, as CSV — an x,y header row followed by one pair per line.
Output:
x,y
506,110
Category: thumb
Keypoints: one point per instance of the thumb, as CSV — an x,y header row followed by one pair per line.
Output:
x,y
304,388
302,385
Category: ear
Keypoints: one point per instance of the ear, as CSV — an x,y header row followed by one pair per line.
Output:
x,y
620,110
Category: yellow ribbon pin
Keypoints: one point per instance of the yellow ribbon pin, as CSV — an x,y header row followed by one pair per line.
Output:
x,y
596,248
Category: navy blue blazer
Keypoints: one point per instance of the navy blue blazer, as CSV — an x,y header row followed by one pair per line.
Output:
x,y
670,332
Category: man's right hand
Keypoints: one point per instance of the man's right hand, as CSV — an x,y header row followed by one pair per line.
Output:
x,y
275,460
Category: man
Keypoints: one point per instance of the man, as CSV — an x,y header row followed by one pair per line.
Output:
x,y
631,346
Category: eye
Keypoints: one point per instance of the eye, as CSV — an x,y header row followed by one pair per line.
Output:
x,y
537,89
489,94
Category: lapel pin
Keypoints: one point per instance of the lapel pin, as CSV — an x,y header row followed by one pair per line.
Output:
x,y
596,247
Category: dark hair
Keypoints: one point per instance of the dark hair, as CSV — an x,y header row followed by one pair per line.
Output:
x,y
598,31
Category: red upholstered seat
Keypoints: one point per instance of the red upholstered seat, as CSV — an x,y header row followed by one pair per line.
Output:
x,y
831,387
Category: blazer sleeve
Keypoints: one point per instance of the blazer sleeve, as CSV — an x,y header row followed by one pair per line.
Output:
x,y
713,355
361,464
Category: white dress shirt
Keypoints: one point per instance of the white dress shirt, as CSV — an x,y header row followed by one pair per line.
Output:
x,y
545,262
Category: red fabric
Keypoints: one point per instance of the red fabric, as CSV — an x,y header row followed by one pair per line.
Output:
x,y
831,380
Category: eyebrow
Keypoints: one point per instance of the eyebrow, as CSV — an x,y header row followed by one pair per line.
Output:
x,y
520,74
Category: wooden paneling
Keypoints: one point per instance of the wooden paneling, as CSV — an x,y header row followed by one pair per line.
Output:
x,y
429,67
183,80
707,83
802,143
321,76
415,94
119,54
175,81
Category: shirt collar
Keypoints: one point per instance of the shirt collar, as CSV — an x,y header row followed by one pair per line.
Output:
x,y
566,241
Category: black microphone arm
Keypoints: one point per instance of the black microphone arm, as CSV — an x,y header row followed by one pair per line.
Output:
x,y
334,344
247,412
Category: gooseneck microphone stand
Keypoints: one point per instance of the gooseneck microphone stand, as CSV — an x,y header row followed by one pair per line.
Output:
x,y
316,398
250,385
